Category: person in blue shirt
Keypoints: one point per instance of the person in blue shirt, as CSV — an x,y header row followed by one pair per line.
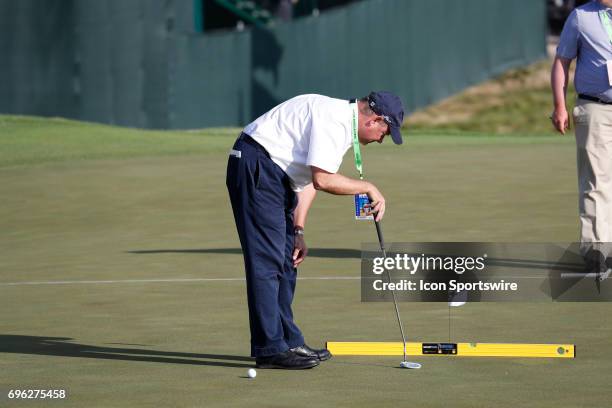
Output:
x,y
587,37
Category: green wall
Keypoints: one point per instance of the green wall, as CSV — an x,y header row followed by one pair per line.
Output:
x,y
36,65
141,63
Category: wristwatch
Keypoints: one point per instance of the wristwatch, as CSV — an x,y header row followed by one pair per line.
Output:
x,y
298,231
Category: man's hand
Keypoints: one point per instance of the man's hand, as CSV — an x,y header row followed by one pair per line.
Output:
x,y
299,250
560,120
378,202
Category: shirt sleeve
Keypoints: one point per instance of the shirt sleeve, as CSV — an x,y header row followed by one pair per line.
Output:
x,y
568,41
326,146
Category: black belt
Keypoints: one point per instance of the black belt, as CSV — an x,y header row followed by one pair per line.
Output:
x,y
593,99
250,141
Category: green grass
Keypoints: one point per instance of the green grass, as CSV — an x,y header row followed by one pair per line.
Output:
x,y
522,107
516,102
84,202
26,140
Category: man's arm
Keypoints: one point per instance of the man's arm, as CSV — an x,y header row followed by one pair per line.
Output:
x,y
559,75
335,183
332,183
305,199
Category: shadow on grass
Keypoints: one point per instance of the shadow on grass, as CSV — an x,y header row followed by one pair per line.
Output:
x,y
64,347
312,252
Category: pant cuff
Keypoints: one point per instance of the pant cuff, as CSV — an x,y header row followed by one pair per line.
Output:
x,y
269,350
295,342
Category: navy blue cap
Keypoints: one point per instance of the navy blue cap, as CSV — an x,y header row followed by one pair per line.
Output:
x,y
390,107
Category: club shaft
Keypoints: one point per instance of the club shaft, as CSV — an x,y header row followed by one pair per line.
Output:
x,y
381,242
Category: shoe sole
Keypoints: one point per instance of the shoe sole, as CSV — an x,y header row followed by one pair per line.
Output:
x,y
281,367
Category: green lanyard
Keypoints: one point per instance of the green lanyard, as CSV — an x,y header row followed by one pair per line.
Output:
x,y
605,20
356,149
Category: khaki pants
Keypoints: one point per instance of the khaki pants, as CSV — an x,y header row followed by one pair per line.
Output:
x,y
593,126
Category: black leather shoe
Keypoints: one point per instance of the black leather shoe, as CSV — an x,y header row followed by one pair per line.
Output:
x,y
305,351
287,360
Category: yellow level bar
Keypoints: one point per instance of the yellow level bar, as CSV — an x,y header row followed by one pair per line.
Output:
x,y
452,349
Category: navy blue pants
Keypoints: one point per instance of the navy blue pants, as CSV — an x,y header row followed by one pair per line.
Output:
x,y
263,204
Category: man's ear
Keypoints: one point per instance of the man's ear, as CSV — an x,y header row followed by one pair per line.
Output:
x,y
374,120
370,122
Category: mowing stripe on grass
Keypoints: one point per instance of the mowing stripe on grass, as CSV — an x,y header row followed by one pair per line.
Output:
x,y
96,282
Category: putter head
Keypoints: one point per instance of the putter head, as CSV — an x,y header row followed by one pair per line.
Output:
x,y
410,365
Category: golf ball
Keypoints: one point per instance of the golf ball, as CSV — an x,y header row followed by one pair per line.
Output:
x,y
252,373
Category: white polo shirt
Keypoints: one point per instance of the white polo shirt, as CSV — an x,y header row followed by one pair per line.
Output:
x,y
308,130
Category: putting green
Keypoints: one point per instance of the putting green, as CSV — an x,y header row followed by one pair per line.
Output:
x,y
122,276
